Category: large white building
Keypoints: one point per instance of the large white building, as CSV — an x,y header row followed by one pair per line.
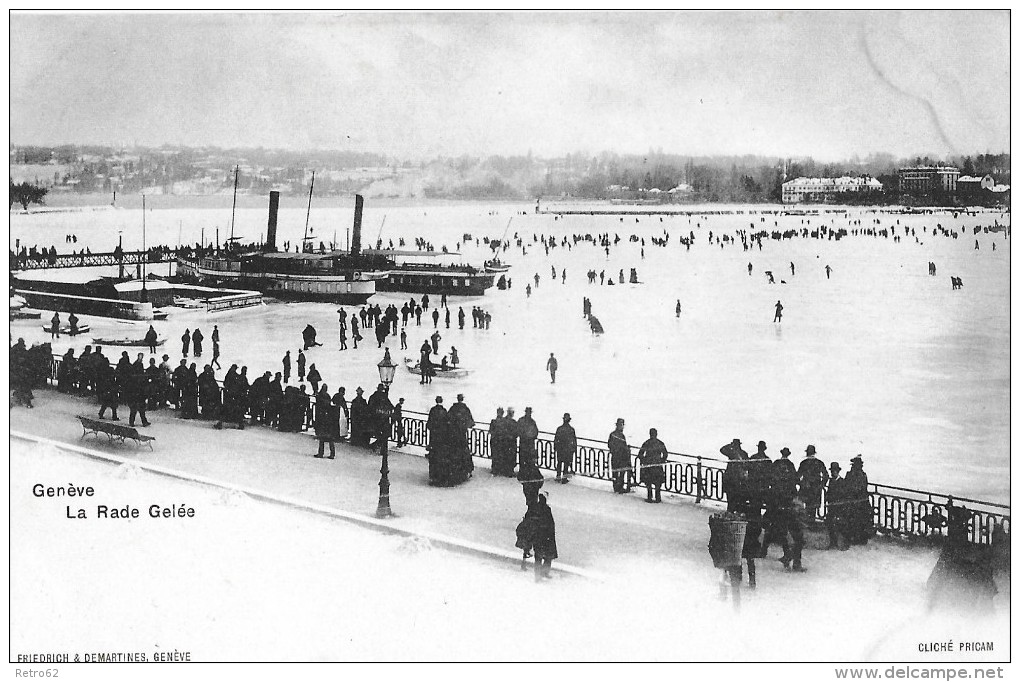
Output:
x,y
820,190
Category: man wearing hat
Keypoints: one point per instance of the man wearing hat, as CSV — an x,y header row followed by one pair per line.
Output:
x,y
461,421
527,430
619,459
812,477
735,476
834,507
565,443
783,484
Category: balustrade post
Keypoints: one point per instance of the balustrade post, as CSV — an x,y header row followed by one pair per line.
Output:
x,y
697,497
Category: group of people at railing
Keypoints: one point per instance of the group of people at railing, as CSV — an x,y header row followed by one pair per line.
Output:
x,y
777,497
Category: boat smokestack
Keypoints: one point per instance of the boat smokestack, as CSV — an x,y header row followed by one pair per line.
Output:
x,y
359,204
274,207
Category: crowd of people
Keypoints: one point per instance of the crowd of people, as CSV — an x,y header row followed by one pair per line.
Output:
x,y
777,498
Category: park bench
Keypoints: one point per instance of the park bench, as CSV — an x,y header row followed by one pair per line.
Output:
x,y
113,431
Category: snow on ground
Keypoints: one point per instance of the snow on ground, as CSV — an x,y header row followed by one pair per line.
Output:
x,y
880,360
250,580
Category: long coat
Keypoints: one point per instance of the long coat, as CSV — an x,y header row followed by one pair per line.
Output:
x,y
619,452
565,442
527,429
653,456
813,478
544,538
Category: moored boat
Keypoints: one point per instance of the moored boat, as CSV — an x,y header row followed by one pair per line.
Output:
x,y
414,367
125,342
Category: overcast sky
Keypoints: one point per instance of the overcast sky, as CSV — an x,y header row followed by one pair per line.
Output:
x,y
827,85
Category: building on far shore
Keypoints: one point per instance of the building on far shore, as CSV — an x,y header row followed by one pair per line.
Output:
x,y
983,190
926,181
828,190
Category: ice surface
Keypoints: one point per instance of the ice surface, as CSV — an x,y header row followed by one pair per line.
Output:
x,y
881,359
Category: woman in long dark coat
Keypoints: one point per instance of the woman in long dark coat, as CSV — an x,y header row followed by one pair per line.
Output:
x,y
859,515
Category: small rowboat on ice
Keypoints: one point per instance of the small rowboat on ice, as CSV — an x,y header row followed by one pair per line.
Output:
x,y
66,329
414,367
125,342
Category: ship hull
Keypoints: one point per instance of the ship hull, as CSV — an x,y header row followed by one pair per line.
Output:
x,y
354,289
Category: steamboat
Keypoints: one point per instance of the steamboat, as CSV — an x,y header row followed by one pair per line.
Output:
x,y
345,277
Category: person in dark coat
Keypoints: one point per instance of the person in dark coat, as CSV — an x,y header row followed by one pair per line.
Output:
x,y
274,401
544,539
444,467
782,490
527,431
109,392
177,380
461,423
151,337
652,456
209,394
360,428
134,393
185,342
859,515
66,372
308,336
314,378
301,363
326,422
189,394
734,482
497,445
286,367
531,479
196,342
565,444
812,477
834,508
619,459
511,434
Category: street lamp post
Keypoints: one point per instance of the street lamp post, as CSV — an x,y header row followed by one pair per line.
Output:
x,y
385,412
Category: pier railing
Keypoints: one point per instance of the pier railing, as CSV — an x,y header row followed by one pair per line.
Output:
x,y
896,510
88,260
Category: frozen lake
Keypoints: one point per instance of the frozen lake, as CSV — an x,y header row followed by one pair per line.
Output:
x,y
882,359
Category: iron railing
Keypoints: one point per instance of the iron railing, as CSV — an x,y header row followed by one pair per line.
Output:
x,y
896,510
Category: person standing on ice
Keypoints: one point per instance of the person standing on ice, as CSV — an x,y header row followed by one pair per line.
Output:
x,y
551,365
527,290
828,271
301,365
793,270
435,318
460,317
779,312
749,268
196,342
185,342
678,307
619,459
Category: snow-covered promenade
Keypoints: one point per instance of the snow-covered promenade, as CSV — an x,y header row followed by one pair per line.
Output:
x,y
657,580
